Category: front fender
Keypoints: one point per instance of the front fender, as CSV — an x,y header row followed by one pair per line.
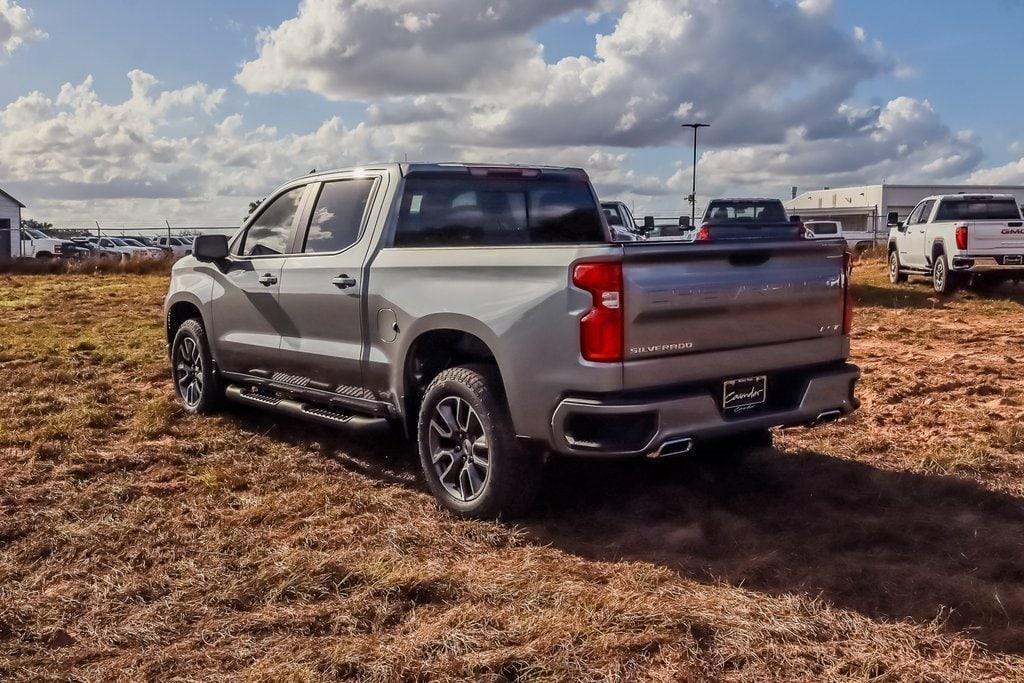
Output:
x,y
188,286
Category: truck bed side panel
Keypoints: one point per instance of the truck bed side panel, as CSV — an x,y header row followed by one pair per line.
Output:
x,y
517,300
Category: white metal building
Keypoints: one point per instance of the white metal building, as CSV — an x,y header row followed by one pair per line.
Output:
x,y
871,208
10,226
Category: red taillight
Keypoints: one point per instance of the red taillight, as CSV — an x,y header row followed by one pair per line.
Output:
x,y
847,293
601,326
961,237
704,234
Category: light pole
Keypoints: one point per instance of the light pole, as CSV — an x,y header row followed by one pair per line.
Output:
x,y
693,193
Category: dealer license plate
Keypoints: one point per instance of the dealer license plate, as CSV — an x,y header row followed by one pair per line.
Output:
x,y
745,393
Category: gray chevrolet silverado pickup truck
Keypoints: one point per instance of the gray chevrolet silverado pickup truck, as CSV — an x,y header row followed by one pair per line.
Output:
x,y
485,311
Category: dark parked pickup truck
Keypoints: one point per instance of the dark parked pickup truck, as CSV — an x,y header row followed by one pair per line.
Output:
x,y
485,311
739,219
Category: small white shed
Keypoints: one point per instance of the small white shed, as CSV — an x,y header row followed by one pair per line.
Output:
x,y
10,226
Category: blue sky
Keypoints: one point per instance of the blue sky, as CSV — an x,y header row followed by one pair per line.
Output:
x,y
964,62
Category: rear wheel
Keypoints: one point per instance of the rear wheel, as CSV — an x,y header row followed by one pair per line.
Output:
x,y
895,274
943,281
195,381
469,454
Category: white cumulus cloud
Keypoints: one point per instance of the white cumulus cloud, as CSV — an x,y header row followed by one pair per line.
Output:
x,y
16,27
347,50
467,79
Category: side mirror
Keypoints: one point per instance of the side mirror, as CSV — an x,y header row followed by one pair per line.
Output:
x,y
901,226
794,218
210,247
648,222
684,221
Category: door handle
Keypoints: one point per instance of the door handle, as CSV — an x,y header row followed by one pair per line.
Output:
x,y
343,281
267,279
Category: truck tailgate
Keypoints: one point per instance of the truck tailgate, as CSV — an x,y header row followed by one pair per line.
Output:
x,y
995,237
686,300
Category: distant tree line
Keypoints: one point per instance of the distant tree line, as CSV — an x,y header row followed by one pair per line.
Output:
x,y
33,224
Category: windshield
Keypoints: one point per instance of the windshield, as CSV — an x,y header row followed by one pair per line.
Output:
x,y
119,242
36,235
130,242
613,217
743,211
969,209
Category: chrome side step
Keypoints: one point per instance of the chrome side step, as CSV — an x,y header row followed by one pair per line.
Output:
x,y
299,409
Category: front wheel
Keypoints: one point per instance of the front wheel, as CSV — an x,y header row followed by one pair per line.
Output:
x,y
896,275
469,454
195,381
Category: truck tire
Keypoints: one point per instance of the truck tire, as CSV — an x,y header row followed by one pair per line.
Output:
x,y
471,460
943,281
896,274
195,380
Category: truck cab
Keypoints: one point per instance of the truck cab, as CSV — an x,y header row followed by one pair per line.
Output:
x,y
36,244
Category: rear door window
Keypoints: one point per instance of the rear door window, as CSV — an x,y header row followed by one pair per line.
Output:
x,y
978,210
338,217
472,211
271,233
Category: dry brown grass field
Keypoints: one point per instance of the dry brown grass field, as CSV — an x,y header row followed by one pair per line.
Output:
x,y
137,542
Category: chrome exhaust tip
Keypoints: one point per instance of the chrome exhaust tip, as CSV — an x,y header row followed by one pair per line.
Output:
x,y
827,416
672,447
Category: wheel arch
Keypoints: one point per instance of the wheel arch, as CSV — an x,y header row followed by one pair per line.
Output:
x,y
178,312
434,349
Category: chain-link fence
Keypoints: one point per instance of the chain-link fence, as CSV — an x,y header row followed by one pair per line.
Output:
x,y
31,242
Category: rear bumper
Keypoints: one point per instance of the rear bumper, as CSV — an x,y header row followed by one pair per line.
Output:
x,y
607,427
985,264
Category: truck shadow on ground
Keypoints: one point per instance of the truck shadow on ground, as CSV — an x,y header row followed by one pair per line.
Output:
x,y
886,544
918,296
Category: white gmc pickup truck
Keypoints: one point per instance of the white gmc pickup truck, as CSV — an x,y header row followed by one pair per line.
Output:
x,y
958,237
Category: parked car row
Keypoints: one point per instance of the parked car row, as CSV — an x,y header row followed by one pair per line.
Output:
x,y
953,239
37,244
